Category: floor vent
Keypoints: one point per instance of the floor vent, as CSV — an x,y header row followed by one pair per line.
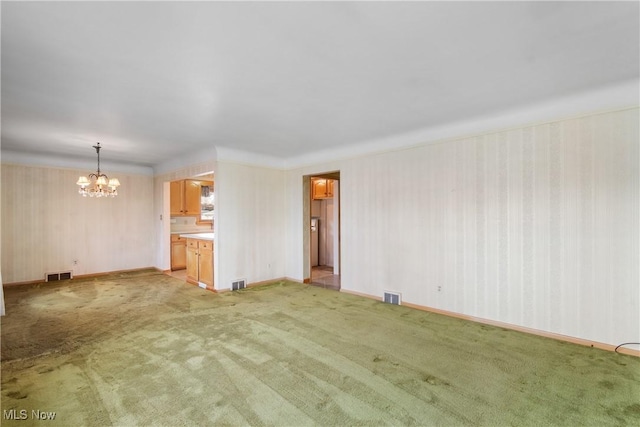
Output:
x,y
239,284
62,275
392,298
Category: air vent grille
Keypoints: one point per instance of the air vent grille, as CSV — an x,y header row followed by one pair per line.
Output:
x,y
392,298
61,275
238,284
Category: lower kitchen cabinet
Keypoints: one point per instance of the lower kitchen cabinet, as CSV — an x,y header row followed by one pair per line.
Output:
x,y
178,252
200,262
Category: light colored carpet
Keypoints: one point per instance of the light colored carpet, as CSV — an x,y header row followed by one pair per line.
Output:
x,y
147,349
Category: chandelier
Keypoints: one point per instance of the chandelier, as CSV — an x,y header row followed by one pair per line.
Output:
x,y
98,184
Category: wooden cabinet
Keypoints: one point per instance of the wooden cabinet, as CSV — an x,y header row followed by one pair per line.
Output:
x,y
178,252
322,188
200,262
185,197
192,261
205,263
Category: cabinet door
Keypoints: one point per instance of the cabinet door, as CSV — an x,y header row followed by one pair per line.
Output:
x,y
320,189
192,261
323,188
178,255
191,197
176,200
206,263
330,188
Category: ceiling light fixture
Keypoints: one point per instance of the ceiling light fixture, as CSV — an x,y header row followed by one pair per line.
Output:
x,y
98,184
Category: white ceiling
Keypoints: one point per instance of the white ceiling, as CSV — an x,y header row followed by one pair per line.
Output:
x,y
152,80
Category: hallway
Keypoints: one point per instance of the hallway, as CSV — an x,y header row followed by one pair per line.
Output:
x,y
323,276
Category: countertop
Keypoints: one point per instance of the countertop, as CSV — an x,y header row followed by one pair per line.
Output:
x,y
199,236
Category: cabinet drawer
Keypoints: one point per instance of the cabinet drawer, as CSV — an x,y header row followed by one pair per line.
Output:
x,y
206,244
177,238
192,243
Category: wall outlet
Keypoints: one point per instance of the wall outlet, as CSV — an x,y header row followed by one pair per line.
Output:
x,y
439,288
75,262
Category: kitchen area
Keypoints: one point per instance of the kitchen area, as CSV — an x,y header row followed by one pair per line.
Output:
x,y
192,237
325,231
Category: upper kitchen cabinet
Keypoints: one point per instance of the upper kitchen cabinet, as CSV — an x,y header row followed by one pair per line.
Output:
x,y
186,197
322,188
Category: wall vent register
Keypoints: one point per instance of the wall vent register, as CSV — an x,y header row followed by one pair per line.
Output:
x,y
62,275
239,284
392,298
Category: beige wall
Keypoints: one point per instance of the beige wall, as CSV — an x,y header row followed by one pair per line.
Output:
x,y
535,226
46,224
250,223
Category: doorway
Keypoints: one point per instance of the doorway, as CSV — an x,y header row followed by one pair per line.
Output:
x,y
323,229
188,204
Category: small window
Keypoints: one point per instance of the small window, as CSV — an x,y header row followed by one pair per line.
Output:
x,y
206,202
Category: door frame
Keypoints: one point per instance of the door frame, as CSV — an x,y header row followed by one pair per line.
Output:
x,y
306,221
